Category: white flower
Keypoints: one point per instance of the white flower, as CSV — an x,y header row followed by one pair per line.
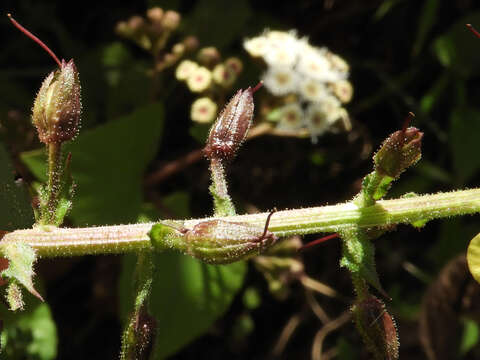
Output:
x,y
280,80
185,69
203,110
291,117
281,56
256,47
316,120
331,107
313,64
199,79
338,63
343,90
312,90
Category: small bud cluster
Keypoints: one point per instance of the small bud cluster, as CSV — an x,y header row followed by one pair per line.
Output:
x,y
211,77
311,82
153,32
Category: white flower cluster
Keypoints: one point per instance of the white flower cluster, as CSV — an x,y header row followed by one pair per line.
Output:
x,y
315,76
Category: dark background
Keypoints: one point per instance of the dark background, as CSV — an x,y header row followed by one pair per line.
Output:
x,y
404,55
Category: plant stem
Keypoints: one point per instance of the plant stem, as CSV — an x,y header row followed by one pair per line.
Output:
x,y
54,179
51,241
222,202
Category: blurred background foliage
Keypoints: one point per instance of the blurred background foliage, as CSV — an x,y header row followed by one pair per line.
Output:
x,y
404,55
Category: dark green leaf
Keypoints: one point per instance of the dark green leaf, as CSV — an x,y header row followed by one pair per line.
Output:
x,y
30,334
425,24
15,208
458,49
188,296
464,135
107,165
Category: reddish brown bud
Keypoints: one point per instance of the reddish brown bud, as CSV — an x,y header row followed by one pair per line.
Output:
x,y
231,127
377,328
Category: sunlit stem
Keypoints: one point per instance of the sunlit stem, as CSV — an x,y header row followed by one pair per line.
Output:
x,y
54,182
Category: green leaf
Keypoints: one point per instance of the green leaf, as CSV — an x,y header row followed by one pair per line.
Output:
x,y
426,22
21,258
473,257
31,334
358,256
470,336
15,209
457,49
464,135
108,163
188,296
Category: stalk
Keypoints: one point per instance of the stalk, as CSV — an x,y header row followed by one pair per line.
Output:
x,y
56,242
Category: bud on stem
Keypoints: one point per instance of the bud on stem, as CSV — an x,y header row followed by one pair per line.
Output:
x,y
56,115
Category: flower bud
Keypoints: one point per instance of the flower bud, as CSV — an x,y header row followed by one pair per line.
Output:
x,y
215,241
171,20
377,328
230,130
57,107
399,151
209,56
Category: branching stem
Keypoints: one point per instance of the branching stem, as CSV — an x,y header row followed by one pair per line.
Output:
x,y
50,241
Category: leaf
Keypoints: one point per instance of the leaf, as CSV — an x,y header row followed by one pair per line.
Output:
x,y
107,165
188,296
458,49
21,258
473,257
470,336
426,22
358,256
31,334
15,208
464,135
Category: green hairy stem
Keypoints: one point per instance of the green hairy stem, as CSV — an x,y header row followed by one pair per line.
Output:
x,y
49,241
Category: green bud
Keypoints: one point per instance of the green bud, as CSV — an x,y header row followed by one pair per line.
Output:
x,y
57,107
399,151
214,241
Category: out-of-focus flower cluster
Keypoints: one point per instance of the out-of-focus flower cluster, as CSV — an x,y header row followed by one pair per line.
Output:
x,y
310,83
153,32
211,78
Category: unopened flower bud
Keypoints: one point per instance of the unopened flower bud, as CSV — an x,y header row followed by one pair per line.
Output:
x,y
231,127
209,56
57,107
155,14
234,64
171,20
191,43
215,241
223,75
136,23
399,151
377,328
